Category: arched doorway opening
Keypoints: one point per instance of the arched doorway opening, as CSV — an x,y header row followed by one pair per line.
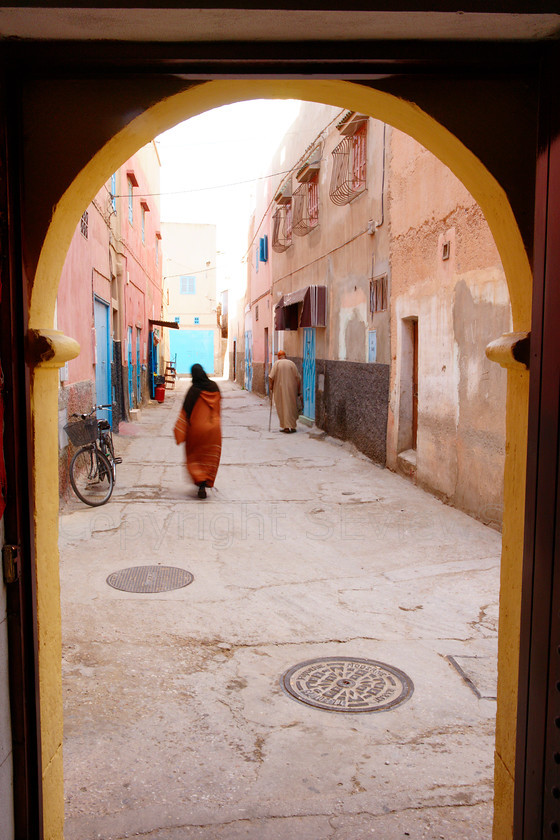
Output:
x,y
498,213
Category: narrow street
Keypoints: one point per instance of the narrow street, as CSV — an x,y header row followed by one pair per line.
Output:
x,y
177,725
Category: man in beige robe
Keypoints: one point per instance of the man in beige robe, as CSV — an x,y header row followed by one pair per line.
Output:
x,y
285,384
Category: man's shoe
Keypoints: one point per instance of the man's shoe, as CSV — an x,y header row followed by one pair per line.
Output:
x,y
202,490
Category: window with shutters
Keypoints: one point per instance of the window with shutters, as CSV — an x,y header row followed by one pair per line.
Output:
x,y
187,285
378,293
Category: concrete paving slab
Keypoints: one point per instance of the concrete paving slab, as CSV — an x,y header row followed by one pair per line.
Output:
x,y
176,721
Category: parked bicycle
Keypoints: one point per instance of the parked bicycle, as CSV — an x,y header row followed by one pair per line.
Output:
x,y
93,467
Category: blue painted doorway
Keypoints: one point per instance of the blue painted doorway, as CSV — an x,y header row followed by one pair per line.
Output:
x,y
103,358
130,370
309,373
192,347
249,360
138,368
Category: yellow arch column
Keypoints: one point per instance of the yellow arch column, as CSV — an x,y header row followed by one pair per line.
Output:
x,y
47,352
495,205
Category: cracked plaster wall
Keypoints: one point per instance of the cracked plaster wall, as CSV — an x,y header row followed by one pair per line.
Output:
x,y
461,304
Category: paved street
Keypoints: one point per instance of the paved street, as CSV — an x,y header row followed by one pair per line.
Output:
x,y
177,726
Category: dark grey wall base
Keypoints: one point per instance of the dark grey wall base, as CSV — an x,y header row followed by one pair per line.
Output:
x,y
351,403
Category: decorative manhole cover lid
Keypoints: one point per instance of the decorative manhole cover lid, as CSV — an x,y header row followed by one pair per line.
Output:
x,y
150,579
345,684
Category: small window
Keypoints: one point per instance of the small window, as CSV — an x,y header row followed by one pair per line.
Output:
x,y
157,251
114,191
372,346
187,285
257,312
177,319
84,224
378,293
143,223
263,248
359,148
196,319
130,203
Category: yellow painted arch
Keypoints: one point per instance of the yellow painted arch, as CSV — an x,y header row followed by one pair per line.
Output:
x,y
494,203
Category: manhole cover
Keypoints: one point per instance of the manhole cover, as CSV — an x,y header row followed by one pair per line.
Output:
x,y
345,684
150,579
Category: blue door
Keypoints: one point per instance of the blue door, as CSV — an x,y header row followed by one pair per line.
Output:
x,y
103,358
152,364
249,360
309,373
138,368
192,347
130,369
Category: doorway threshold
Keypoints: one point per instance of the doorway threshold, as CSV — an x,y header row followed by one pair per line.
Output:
x,y
406,464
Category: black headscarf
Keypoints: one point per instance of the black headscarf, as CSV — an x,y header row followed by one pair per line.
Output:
x,y
200,382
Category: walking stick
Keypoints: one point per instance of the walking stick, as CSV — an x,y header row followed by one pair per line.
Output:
x,y
270,412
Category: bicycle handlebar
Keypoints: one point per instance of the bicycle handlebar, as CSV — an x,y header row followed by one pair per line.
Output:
x,y
93,410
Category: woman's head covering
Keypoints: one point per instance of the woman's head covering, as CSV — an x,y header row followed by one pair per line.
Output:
x,y
200,380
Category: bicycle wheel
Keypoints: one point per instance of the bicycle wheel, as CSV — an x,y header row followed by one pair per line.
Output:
x,y
106,446
91,476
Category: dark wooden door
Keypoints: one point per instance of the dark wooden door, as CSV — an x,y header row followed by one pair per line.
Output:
x,y
18,566
414,327
537,794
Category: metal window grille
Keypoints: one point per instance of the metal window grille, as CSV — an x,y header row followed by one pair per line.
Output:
x,y
378,293
197,319
143,226
348,177
84,224
282,228
257,312
305,208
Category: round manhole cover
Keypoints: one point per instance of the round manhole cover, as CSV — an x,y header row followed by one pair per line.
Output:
x,y
345,684
150,579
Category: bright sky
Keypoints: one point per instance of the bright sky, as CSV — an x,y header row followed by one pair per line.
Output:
x,y
208,169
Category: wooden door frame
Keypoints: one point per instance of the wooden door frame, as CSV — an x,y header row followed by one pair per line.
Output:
x,y
541,505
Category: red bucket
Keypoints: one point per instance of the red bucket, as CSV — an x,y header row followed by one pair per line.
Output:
x,y
160,393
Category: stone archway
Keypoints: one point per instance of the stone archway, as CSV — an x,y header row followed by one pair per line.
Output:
x,y
56,349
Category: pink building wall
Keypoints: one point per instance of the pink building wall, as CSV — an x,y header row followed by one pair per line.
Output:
x,y
111,260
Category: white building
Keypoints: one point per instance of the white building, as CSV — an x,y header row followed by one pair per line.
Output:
x,y
190,295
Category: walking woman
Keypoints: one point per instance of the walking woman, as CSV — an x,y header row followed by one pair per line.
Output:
x,y
200,428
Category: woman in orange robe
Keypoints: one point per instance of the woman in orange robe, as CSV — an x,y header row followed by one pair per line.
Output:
x,y
200,427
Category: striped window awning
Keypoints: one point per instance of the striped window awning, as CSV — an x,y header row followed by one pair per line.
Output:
x,y
313,311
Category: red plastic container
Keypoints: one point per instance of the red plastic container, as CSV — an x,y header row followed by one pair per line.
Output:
x,y
160,393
